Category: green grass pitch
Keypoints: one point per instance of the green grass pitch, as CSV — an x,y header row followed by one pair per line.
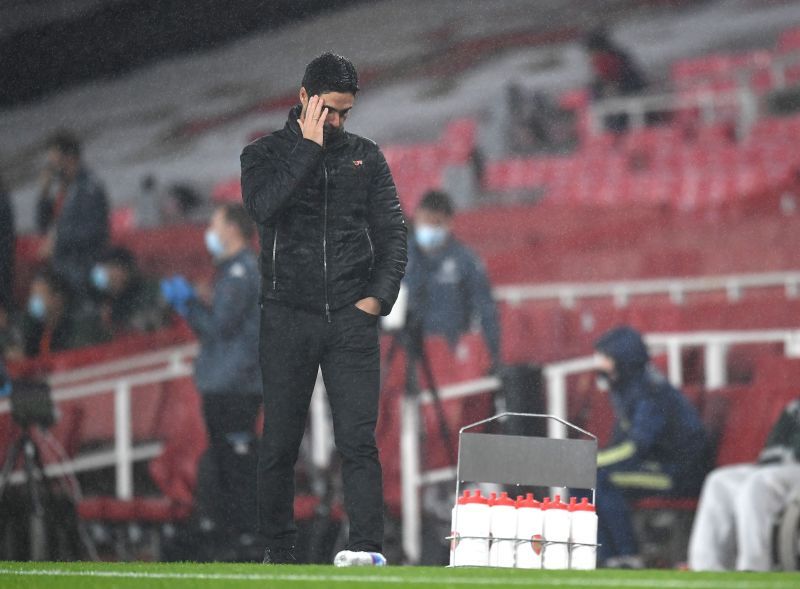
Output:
x,y
80,575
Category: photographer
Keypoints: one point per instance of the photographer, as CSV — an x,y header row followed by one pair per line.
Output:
x,y
54,321
129,301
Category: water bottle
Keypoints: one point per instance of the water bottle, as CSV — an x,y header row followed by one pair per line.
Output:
x,y
503,520
455,534
529,532
583,530
351,558
556,534
472,530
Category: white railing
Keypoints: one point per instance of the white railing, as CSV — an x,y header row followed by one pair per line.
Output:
x,y
777,68
120,378
714,343
105,379
568,293
711,105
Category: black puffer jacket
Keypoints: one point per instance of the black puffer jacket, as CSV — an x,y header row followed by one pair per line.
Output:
x,y
331,227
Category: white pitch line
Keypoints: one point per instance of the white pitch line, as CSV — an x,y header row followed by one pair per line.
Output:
x,y
585,581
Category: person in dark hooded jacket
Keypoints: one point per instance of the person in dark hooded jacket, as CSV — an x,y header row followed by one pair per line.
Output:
x,y
659,445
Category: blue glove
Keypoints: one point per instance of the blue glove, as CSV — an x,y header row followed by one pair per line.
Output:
x,y
178,292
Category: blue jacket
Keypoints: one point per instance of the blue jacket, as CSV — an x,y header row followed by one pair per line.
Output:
x,y
229,330
654,420
447,290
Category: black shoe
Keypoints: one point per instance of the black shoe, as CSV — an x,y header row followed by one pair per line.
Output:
x,y
279,556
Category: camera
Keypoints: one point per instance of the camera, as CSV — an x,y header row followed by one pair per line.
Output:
x,y
31,403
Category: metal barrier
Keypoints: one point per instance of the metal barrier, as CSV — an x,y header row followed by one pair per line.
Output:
x,y
714,343
174,363
568,293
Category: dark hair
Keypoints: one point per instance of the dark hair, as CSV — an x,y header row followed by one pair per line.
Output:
x,y
238,216
330,73
438,202
66,142
56,282
598,40
120,256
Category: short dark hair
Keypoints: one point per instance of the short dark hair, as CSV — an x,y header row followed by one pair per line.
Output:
x,y
237,215
121,257
56,282
598,40
66,142
437,202
330,73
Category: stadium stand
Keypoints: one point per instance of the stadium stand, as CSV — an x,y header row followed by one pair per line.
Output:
x,y
683,199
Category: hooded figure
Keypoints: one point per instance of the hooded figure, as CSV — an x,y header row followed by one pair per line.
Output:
x,y
659,444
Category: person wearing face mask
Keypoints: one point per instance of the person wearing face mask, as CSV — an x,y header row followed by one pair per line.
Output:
x,y
54,322
448,289
228,377
333,253
128,301
72,212
659,445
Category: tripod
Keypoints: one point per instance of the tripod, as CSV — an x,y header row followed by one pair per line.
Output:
x,y
33,470
412,340
31,407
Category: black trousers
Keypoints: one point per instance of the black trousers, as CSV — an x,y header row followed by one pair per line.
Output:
x,y
294,345
227,477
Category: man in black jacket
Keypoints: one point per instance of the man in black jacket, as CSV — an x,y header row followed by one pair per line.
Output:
x,y
72,211
333,253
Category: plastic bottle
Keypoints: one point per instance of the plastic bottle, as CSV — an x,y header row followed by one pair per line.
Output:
x,y
503,516
472,527
349,558
556,534
583,530
455,534
529,533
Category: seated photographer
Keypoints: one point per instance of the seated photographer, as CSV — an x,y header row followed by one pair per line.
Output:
x,y
54,321
128,301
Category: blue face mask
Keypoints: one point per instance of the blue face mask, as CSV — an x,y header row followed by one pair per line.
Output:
x,y
100,278
214,244
36,307
430,237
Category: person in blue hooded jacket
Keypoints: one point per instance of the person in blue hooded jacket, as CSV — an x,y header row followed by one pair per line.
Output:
x,y
659,444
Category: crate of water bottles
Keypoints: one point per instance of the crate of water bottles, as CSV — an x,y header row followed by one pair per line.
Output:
x,y
499,530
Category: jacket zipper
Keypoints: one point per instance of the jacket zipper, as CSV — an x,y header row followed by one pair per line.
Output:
x,y
325,243
274,265
371,251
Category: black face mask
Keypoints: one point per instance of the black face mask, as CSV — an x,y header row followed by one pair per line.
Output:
x,y
330,133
